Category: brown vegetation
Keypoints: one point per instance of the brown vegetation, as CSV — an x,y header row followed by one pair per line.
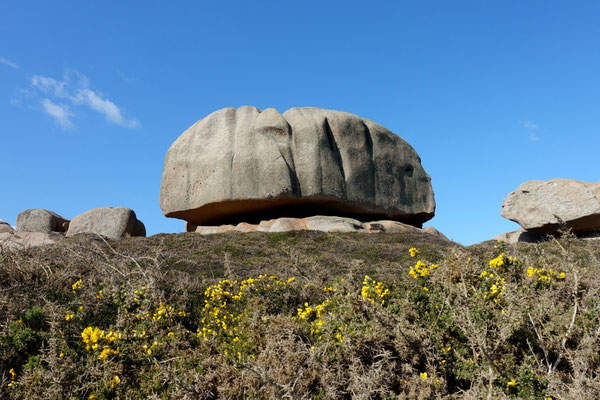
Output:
x,y
300,315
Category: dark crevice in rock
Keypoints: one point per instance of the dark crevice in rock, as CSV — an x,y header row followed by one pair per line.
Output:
x,y
253,211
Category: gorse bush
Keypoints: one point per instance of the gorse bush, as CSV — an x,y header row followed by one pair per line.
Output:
x,y
145,319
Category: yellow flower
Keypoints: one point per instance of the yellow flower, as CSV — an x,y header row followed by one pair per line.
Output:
x,y
77,285
115,381
498,261
423,375
61,355
512,382
413,252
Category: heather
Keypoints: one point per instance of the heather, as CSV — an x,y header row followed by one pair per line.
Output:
x,y
300,315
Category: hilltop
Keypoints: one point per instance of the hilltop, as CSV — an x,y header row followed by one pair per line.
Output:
x,y
299,315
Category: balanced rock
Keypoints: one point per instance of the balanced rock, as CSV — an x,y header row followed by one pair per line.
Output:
x,y
40,220
545,206
248,165
112,222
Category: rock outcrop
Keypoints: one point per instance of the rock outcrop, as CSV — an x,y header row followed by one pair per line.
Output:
x,y
323,223
22,240
545,207
5,227
40,220
248,165
112,222
520,235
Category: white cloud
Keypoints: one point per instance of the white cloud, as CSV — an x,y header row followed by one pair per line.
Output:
x,y
104,106
60,112
6,61
74,88
533,137
530,125
532,129
49,85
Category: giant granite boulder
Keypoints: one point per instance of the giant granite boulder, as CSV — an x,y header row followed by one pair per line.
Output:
x,y
544,207
112,222
248,165
40,220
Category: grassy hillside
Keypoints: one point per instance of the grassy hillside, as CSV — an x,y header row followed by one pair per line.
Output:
x,y
300,315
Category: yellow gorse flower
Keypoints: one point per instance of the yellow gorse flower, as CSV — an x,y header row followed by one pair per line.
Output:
x,y
97,339
498,261
543,275
373,290
420,269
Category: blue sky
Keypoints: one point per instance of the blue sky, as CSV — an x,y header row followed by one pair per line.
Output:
x,y
489,93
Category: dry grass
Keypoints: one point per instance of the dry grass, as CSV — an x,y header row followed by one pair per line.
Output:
x,y
463,329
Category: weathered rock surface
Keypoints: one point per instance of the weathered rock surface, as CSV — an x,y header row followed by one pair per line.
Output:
x,y
435,232
524,236
40,220
520,235
21,240
5,227
248,165
543,206
112,222
322,223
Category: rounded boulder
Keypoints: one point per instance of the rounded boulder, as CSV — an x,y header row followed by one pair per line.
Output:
x,y
247,165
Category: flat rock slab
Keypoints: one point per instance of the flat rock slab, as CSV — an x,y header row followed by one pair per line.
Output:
x,y
250,165
41,220
316,223
544,206
111,222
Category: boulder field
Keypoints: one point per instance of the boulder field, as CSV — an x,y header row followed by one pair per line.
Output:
x,y
36,227
248,165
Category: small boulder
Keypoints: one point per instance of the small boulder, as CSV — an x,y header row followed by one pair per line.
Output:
x,y
5,227
433,231
520,236
546,206
112,222
23,240
388,226
283,225
327,223
40,220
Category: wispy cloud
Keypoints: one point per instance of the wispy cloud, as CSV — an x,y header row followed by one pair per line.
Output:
x,y
6,61
73,89
60,112
105,107
126,78
532,130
